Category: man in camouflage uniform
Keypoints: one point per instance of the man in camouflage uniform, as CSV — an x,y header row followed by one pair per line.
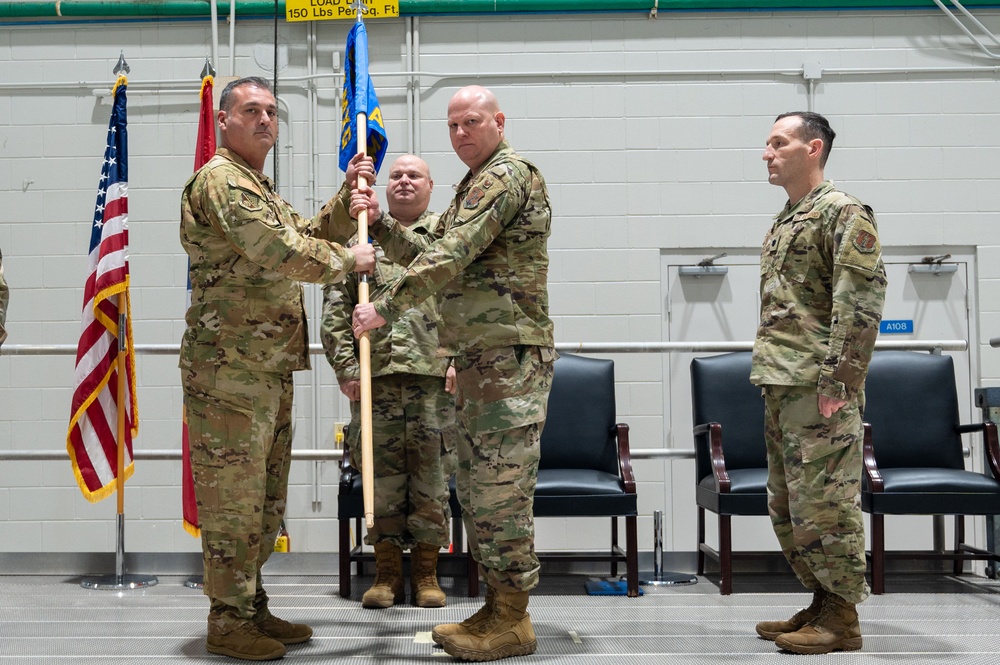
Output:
x,y
413,410
822,289
488,264
4,299
246,334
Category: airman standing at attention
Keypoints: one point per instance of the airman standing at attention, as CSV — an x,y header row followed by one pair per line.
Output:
x,y
822,287
246,334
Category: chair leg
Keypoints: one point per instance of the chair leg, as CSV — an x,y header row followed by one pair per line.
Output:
x,y
631,556
614,546
344,557
959,564
878,554
725,555
701,540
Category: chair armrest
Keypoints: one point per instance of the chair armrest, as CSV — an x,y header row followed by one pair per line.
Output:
x,y
992,449
722,482
871,468
624,457
346,472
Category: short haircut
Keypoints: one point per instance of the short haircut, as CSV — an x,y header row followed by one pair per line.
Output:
x,y
226,98
814,126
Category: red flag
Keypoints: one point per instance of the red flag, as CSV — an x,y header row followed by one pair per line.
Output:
x,y
202,153
92,437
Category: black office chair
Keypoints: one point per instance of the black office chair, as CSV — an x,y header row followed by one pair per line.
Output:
x,y
730,454
586,468
914,462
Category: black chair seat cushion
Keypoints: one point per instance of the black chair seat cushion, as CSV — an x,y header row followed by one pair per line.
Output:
x,y
570,492
933,491
747,495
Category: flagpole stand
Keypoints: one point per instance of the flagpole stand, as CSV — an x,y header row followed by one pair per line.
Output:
x,y
658,577
119,581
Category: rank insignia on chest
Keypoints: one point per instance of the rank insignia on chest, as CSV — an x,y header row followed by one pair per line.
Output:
x,y
474,197
865,242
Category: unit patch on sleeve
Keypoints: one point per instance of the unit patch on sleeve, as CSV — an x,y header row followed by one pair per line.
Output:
x,y
474,197
865,242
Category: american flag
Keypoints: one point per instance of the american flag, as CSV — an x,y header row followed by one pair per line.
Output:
x,y
204,150
92,440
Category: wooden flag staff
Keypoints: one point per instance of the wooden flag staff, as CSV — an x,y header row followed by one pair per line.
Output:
x,y
364,342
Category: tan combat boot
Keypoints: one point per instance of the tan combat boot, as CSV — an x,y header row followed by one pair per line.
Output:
x,y
835,629
236,637
770,630
281,630
388,587
443,631
272,626
506,632
424,588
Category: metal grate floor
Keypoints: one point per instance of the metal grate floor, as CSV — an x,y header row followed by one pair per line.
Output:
x,y
924,618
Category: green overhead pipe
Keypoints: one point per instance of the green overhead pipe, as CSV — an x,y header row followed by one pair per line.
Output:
x,y
193,8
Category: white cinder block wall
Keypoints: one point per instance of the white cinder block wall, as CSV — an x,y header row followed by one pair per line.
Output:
x,y
638,165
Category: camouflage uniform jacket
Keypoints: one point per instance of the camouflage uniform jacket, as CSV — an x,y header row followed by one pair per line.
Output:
x,y
822,287
248,250
487,260
4,299
407,346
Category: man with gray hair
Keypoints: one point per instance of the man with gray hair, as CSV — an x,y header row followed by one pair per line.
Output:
x,y
246,333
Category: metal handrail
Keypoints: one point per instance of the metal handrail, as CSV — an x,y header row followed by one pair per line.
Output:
x,y
333,454
568,347
311,454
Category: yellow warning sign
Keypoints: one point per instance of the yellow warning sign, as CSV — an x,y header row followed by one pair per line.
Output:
x,y
327,10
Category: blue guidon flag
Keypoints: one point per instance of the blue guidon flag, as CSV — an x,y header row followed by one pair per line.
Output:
x,y
359,97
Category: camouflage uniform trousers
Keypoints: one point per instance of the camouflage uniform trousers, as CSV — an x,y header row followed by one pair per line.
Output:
x,y
239,424
501,404
814,489
413,448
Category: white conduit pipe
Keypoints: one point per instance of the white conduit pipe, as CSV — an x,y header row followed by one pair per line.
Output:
x,y
968,14
215,34
102,86
232,38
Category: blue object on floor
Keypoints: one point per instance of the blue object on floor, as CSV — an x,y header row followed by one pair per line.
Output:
x,y
607,588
